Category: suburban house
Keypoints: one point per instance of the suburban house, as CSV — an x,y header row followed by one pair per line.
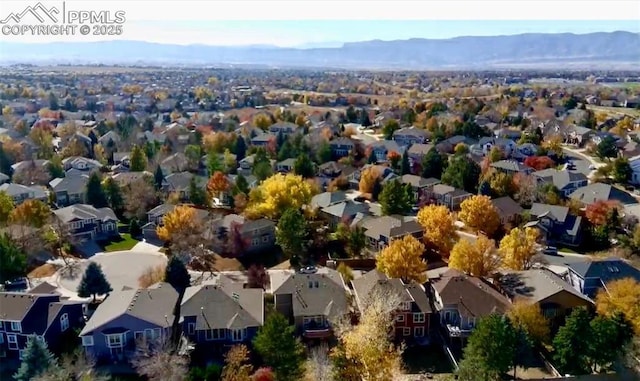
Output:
x,y
88,223
70,189
461,301
46,316
511,167
81,163
381,231
595,192
310,301
420,186
255,235
222,314
341,147
408,136
382,148
593,276
543,287
19,168
284,128
413,315
342,211
4,178
442,194
285,166
417,152
325,199
176,162
127,317
508,210
556,224
506,146
448,145
565,181
246,165
577,135
20,193
634,162
154,219
261,140
180,182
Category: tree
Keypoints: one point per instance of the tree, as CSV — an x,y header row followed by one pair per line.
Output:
x,y
179,224
461,149
368,178
479,213
197,195
280,348
553,145
6,207
439,228
495,154
405,165
475,258
158,362
463,173
93,282
394,159
529,318
433,164
598,213
607,148
353,238
43,139
95,195
323,153
139,197
193,153
176,274
158,177
403,259
55,167
213,163
240,149
263,374
621,296
138,159
394,199
277,194
291,232
609,336
622,170
502,185
36,359
262,121
527,189
572,344
134,228
389,128
346,272
114,195
237,366
13,261
257,276
303,166
218,184
73,367
33,213
518,248
539,162
491,350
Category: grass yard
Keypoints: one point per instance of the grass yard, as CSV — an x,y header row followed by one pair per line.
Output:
x,y
634,113
125,242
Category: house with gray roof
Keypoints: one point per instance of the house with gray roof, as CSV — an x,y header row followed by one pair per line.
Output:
x,y
381,231
508,210
511,167
261,140
595,192
284,128
21,193
127,317
70,189
342,211
408,136
286,165
411,319
252,235
556,224
442,194
417,152
566,181
81,163
176,162
419,185
592,276
382,148
220,314
48,317
326,199
310,301
4,178
85,222
341,147
179,183
577,135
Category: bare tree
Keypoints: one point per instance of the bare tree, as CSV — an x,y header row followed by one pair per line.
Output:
x,y
157,361
139,197
33,175
76,367
319,364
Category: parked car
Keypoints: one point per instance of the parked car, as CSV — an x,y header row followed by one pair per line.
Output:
x,y
592,167
550,250
308,270
18,284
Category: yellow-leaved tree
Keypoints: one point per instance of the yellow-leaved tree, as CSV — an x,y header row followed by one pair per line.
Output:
x,y
176,223
368,178
477,258
478,213
439,228
403,259
277,194
530,319
518,248
622,295
33,213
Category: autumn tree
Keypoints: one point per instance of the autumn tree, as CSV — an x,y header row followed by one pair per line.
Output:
x,y
439,228
403,259
257,276
218,184
237,366
6,207
182,228
395,198
139,197
553,144
518,248
159,362
368,177
622,295
530,319
502,185
527,189
477,258
598,212
479,213
33,213
539,162
43,139
277,194
262,121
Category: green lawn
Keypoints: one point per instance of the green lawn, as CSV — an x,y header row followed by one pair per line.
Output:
x,y
125,242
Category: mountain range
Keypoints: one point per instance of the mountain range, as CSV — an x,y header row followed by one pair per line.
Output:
x,y
614,50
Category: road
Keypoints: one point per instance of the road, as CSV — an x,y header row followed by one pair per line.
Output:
x,y
583,161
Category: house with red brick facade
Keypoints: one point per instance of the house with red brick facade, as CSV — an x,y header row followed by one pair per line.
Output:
x,y
414,313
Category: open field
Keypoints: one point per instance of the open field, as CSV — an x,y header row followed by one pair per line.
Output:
x,y
634,113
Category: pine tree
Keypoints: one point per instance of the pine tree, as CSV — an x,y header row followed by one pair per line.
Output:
x,y
240,149
134,228
303,166
95,195
394,199
93,282
158,177
197,195
35,361
405,166
177,275
138,159
280,348
114,195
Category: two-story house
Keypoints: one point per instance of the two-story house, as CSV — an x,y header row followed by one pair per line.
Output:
x,y
592,276
126,318
284,128
508,210
382,148
408,136
174,163
442,194
381,231
566,181
255,235
180,182
286,165
20,193
341,147
220,314
310,301
413,315
506,146
338,212
511,167
45,316
22,168
417,152
461,301
70,189
80,163
556,224
88,223
420,186
262,140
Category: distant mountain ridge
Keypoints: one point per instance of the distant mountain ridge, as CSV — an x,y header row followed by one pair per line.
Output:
x,y
617,49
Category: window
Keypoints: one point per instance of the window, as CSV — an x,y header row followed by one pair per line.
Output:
x,y
114,341
13,341
152,334
400,318
1,338
215,334
87,341
265,239
16,326
255,242
406,306
418,317
237,334
191,328
75,225
418,331
406,331
138,335
64,322
21,354
1,326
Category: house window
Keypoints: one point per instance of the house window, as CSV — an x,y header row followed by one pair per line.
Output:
x,y
13,342
115,341
75,225
237,334
400,318
418,317
16,326
418,331
64,322
255,242
215,334
138,335
1,338
87,341
406,306
152,334
191,328
406,331
21,354
265,239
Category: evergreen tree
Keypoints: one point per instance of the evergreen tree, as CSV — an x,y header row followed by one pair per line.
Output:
x,y
177,275
197,195
36,360
303,166
55,167
377,189
240,148
242,186
323,155
394,199
433,164
93,282
372,159
138,159
158,177
95,195
134,228
462,173
280,348
13,261
405,166
114,196
572,344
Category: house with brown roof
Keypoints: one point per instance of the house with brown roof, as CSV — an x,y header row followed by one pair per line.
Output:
x,y
461,301
412,318
508,210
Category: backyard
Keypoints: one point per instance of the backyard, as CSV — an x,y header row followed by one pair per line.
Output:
x,y
429,359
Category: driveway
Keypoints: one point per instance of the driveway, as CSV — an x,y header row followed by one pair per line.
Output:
x,y
146,247
121,268
582,161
